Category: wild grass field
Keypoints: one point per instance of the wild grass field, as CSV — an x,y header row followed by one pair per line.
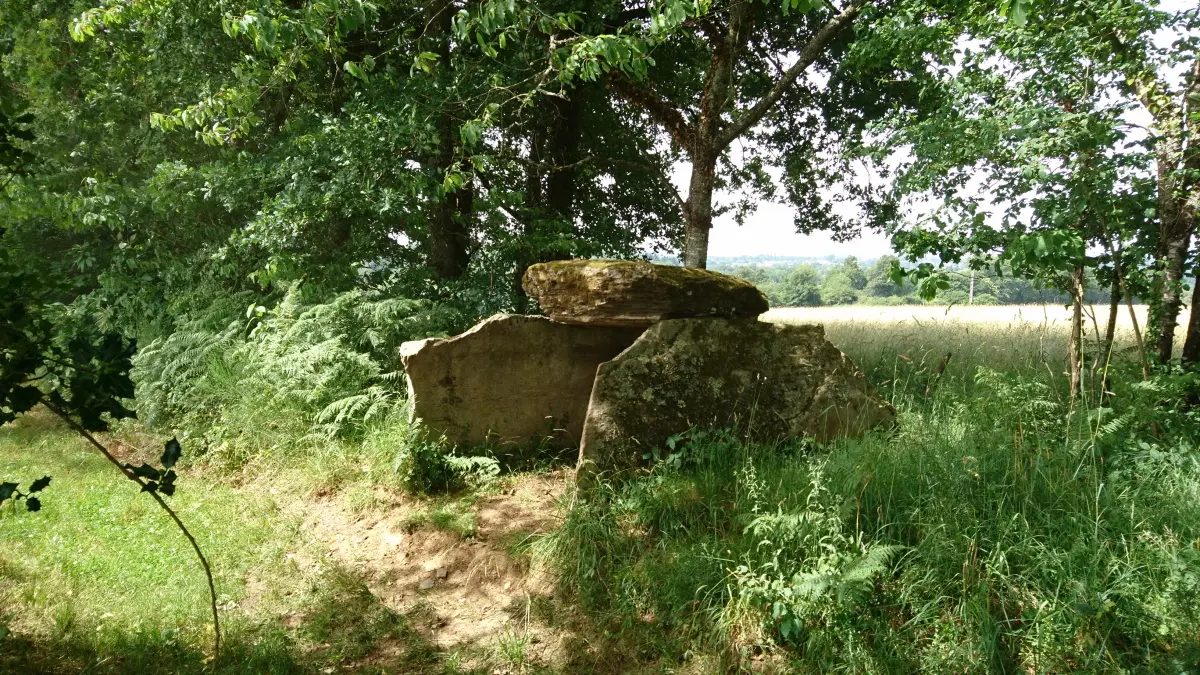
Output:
x,y
997,529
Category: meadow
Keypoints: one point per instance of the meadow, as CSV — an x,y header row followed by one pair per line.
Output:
x,y
999,528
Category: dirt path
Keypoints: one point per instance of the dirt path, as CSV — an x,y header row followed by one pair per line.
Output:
x,y
474,594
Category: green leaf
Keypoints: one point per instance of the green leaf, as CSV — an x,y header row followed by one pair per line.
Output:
x,y
167,485
21,399
1020,12
144,471
171,453
7,490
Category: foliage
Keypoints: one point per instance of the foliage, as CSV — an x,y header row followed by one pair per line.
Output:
x,y
799,287
994,531
12,491
1046,174
832,573
271,377
838,289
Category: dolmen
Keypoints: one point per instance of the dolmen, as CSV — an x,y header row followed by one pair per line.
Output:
x,y
629,354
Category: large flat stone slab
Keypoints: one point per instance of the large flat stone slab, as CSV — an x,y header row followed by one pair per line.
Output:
x,y
771,380
637,293
511,378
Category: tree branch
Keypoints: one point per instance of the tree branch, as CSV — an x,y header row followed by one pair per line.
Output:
x,y
1190,111
656,106
212,590
808,55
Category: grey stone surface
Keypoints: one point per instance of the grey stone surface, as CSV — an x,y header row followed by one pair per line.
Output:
x,y
511,378
637,293
772,380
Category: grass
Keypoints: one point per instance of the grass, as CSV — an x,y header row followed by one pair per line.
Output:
x,y
100,581
996,530
448,514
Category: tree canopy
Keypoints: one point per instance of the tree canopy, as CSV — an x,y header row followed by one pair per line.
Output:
x,y
158,156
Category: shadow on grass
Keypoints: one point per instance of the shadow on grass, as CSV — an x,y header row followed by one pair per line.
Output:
x,y
343,628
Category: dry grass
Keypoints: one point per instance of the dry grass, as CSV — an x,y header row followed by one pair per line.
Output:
x,y
1024,339
1054,318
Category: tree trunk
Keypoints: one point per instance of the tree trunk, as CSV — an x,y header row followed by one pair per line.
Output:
x,y
1104,358
1075,343
706,145
449,236
1189,206
1174,255
565,138
1191,344
1110,330
697,211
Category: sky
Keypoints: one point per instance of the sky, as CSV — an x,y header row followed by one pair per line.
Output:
x,y
770,230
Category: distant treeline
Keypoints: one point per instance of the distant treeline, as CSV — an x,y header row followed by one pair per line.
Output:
x,y
810,284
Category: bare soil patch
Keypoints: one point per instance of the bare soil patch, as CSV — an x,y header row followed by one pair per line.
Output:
x,y
460,593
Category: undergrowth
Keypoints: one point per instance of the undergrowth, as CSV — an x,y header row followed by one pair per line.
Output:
x,y
312,384
997,529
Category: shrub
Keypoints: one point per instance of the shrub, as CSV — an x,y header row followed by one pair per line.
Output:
x,y
273,377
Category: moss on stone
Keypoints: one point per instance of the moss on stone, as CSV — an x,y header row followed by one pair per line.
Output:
x,y
636,292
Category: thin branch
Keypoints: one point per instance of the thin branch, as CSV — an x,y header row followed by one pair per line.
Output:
x,y
808,55
547,166
212,591
656,106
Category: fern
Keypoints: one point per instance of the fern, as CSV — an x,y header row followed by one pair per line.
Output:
x,y
817,573
298,372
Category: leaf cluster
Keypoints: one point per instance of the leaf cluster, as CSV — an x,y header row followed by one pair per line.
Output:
x,y
12,491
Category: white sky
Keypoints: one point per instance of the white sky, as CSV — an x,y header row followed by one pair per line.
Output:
x,y
770,230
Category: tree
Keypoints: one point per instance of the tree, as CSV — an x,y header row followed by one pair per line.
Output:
x,y
339,145
838,289
800,287
878,280
850,267
717,75
1051,150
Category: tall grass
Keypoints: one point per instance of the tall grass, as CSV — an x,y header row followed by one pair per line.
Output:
x,y
994,531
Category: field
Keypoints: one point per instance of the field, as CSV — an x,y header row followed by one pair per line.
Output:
x,y
1053,317
998,529
1030,339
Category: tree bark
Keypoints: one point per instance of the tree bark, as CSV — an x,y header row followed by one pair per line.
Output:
x,y
1177,159
1176,239
1075,343
1191,344
697,211
551,182
1110,329
1190,207
707,145
565,137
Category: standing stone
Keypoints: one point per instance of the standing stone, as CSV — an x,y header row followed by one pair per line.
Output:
x,y
511,378
637,293
772,380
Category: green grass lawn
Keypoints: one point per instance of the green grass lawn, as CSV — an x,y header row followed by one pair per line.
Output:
x,y
100,580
